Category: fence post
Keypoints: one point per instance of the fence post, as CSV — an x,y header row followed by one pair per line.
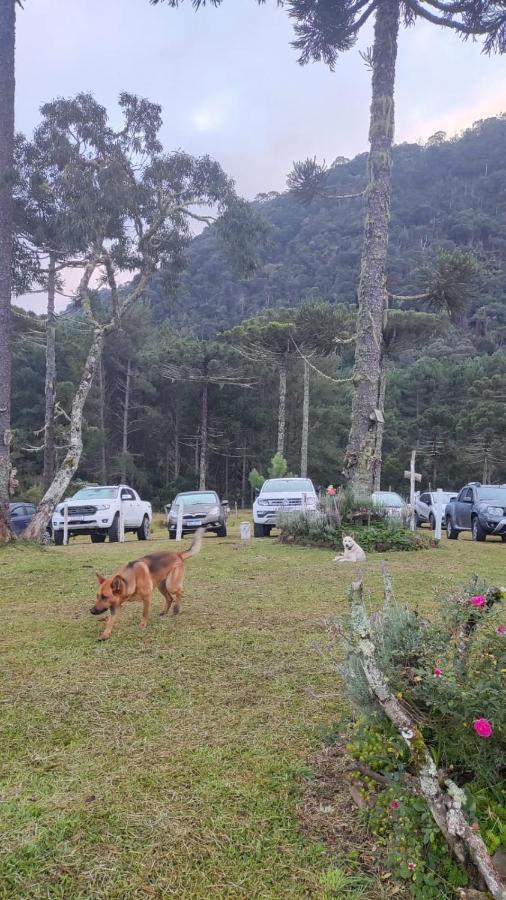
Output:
x,y
439,514
121,524
66,523
179,527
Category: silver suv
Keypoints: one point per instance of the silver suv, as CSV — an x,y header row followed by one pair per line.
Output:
x,y
426,506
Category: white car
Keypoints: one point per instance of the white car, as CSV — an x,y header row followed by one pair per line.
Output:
x,y
427,503
392,503
95,510
281,495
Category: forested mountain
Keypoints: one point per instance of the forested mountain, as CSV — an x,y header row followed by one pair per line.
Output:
x,y
446,394
447,193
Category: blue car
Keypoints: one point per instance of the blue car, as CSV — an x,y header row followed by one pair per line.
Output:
x,y
21,514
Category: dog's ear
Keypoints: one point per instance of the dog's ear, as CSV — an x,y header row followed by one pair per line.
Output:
x,y
101,578
117,583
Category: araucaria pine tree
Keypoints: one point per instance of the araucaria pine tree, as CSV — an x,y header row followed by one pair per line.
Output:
x,y
324,29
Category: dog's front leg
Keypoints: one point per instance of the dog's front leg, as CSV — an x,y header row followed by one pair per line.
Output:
x,y
146,606
113,617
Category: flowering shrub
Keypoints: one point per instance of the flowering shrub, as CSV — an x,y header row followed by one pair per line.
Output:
x,y
452,677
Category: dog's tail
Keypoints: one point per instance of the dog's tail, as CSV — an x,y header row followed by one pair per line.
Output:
x,y
196,544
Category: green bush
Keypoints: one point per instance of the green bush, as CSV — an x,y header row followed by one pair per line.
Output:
x,y
318,530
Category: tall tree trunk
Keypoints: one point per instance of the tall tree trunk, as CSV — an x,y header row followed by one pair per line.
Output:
x,y
177,451
103,441
243,478
361,449
305,423
203,437
381,427
67,469
226,477
49,423
126,410
7,43
282,406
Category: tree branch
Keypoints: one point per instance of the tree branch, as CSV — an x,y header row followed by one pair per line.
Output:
x,y
445,805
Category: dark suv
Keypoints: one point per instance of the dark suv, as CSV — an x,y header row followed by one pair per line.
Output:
x,y
480,509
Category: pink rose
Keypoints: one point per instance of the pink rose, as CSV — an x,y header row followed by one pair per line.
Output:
x,y
438,673
501,629
483,727
479,600
394,804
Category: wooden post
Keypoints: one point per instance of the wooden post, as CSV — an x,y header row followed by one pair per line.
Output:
x,y
439,514
179,527
413,477
66,524
121,523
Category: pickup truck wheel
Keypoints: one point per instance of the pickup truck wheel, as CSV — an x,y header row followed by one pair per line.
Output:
x,y
58,538
222,531
98,538
451,533
477,532
432,522
143,531
172,535
114,530
261,530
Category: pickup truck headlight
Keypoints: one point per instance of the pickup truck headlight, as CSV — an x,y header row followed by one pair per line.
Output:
x,y
495,510
263,502
103,505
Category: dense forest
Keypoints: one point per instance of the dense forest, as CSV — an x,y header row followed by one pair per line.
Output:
x,y
446,391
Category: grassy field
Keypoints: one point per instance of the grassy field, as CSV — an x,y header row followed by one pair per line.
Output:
x,y
171,762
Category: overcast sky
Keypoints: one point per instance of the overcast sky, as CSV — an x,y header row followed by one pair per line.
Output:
x,y
230,85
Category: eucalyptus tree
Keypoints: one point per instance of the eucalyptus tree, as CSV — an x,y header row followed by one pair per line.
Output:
x,y
323,30
7,42
131,207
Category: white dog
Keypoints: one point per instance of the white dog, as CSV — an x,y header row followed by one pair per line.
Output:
x,y
352,551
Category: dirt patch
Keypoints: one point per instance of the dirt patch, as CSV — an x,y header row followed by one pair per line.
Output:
x,y
330,814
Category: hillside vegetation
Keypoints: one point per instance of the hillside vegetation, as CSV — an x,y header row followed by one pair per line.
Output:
x,y
448,193
445,392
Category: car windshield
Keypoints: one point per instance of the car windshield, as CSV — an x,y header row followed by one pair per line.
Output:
x,y
284,485
385,498
96,493
194,499
493,494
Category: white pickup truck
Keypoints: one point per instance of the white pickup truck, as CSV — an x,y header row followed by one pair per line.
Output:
x,y
281,495
95,510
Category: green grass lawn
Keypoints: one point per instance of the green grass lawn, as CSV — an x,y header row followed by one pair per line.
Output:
x,y
171,762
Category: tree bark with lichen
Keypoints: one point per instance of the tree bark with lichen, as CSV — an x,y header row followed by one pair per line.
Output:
x,y
7,42
362,464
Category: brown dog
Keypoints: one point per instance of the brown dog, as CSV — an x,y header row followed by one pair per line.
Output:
x,y
137,580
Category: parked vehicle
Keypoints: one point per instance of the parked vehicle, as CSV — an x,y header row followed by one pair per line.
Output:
x,y
95,510
281,494
426,506
199,508
480,509
391,503
20,516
